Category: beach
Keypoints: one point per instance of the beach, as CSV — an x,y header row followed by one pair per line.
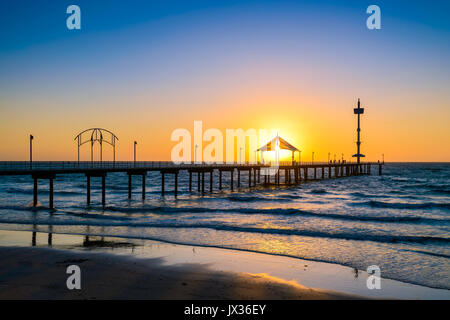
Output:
x,y
37,273
114,268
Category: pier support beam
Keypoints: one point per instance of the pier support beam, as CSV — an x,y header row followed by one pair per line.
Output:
x,y
163,180
88,190
176,184
249,178
35,192
190,181
129,186
103,190
220,179
50,194
162,183
36,177
231,179
198,181
203,182
211,181
136,172
143,186
239,178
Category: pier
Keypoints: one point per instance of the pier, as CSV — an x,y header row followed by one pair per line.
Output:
x,y
294,173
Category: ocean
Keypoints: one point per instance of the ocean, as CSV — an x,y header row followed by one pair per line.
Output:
x,y
399,221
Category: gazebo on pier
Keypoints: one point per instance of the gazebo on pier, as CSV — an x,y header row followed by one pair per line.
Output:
x,y
277,144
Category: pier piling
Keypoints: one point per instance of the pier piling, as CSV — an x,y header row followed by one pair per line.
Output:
x,y
231,178
35,192
143,186
190,181
50,195
203,182
239,178
198,181
103,190
88,190
211,181
176,184
162,184
129,186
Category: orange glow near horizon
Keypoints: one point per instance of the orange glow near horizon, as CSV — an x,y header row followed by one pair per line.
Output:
x,y
310,129
321,126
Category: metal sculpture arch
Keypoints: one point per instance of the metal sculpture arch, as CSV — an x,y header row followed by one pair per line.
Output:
x,y
96,134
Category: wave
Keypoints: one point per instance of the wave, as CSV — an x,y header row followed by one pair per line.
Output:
x,y
434,254
431,188
44,191
403,205
224,227
240,198
276,212
318,191
165,210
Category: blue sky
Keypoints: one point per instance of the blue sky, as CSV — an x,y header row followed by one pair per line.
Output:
x,y
26,23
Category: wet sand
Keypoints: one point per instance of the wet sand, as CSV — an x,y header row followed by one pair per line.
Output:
x,y
33,266
40,273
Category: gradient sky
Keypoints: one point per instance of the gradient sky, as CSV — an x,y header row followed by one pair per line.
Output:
x,y
145,68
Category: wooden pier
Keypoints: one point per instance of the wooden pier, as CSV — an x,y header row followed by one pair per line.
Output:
x,y
294,173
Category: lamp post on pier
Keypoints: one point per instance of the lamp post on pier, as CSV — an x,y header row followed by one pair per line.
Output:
x,y
135,143
31,151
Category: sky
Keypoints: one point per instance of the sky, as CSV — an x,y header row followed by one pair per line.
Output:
x,y
143,69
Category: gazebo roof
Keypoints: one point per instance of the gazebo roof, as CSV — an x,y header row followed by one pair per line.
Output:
x,y
283,144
